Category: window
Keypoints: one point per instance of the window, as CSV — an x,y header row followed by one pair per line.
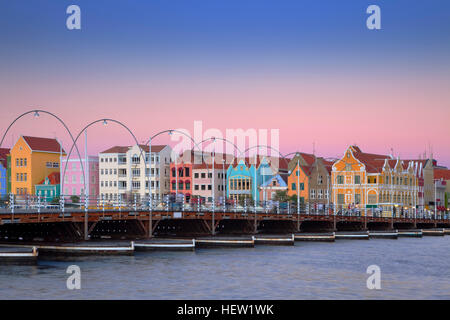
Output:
x,y
302,186
209,187
340,179
294,187
203,175
196,187
320,194
188,185
25,162
357,198
203,187
187,173
341,198
196,175
357,179
319,180
313,194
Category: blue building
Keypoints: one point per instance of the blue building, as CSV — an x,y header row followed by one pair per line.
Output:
x,y
244,178
3,172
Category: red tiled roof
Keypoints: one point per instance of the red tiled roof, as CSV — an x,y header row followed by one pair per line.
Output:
x,y
124,149
3,154
309,158
209,166
53,178
442,174
43,144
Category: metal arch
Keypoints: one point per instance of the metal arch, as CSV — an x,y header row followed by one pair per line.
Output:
x,y
94,122
68,131
267,147
227,141
183,133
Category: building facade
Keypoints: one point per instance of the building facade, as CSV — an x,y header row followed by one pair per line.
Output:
x,y
73,183
244,177
310,179
124,171
49,188
4,172
444,175
371,181
32,160
203,182
268,190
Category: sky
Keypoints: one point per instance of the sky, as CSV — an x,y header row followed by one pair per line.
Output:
x,y
311,69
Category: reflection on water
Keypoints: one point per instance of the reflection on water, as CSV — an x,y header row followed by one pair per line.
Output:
x,y
411,268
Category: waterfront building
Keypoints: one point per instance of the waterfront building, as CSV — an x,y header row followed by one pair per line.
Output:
x,y
310,177
368,181
442,181
181,173
49,188
122,170
32,160
268,189
3,172
203,182
244,177
74,180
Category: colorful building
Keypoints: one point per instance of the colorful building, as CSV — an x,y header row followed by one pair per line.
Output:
x,y
443,175
74,179
269,189
49,189
4,172
244,177
368,181
203,182
181,179
124,172
32,160
310,178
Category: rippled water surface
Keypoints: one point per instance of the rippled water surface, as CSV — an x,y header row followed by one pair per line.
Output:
x,y
411,268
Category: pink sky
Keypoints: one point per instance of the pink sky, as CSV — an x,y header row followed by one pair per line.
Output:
x,y
376,111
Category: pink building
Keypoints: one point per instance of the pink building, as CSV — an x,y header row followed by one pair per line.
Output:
x,y
73,180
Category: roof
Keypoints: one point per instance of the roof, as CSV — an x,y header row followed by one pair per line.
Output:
x,y
43,144
124,149
442,174
374,162
281,181
3,154
52,177
208,166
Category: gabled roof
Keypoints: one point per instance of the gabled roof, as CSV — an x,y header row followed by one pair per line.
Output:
x,y
43,144
52,177
279,179
374,162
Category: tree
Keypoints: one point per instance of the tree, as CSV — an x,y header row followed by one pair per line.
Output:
x,y
281,196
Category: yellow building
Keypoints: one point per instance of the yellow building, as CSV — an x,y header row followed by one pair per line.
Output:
x,y
364,180
33,159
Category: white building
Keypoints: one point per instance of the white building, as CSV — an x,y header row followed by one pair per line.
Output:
x,y
124,171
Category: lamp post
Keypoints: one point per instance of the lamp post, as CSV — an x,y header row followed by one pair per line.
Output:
x,y
224,185
213,190
150,195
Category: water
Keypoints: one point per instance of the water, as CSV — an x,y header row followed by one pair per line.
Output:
x,y
411,268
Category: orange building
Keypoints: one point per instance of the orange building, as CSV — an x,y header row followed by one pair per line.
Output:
x,y
32,160
309,177
364,180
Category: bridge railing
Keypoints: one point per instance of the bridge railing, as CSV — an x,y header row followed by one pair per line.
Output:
x,y
32,204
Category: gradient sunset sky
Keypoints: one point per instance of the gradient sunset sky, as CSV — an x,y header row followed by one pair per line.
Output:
x,y
308,68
